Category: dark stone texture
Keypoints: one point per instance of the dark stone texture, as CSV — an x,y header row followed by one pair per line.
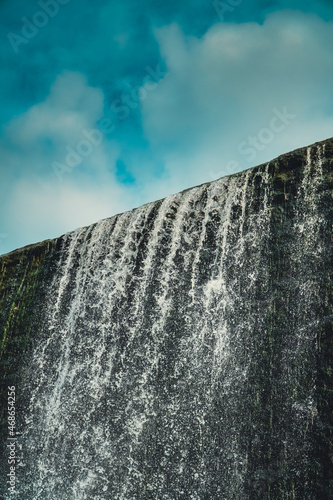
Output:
x,y
182,350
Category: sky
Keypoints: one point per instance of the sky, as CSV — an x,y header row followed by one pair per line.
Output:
x,y
108,105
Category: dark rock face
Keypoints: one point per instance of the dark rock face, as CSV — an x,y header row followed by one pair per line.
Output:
x,y
182,350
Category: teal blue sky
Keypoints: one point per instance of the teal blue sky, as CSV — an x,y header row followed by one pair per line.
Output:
x,y
107,105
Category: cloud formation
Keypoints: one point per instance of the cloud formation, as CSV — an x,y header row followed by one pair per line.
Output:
x,y
135,100
43,199
243,92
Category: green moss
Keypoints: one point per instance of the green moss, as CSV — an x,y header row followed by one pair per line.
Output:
x,y
21,277
285,176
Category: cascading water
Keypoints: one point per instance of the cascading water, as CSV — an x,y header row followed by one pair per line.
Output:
x,y
181,350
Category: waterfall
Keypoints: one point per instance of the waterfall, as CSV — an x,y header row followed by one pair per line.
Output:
x,y
173,350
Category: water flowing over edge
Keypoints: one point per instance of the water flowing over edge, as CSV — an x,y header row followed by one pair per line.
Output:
x,y
175,351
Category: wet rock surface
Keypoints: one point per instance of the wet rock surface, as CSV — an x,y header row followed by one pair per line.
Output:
x,y
182,350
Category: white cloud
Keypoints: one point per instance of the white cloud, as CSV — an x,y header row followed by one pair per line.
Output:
x,y
47,131
222,91
38,206
47,210
223,88
71,106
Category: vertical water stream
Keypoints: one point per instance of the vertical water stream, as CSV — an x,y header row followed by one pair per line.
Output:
x,y
177,355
